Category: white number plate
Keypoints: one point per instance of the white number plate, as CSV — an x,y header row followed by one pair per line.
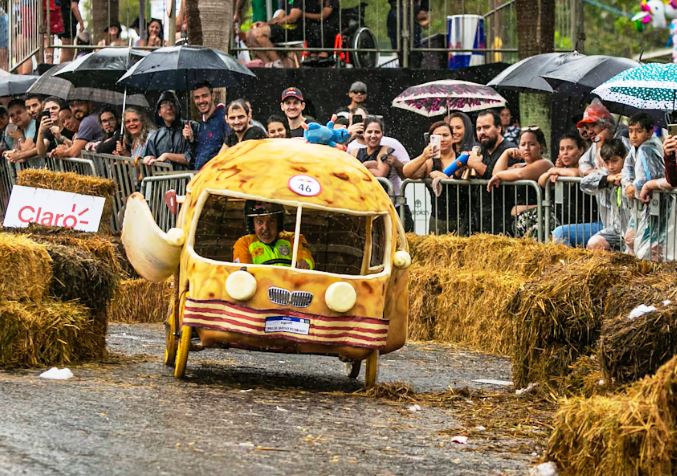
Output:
x,y
294,325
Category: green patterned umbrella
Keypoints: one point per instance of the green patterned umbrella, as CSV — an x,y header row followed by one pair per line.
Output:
x,y
650,86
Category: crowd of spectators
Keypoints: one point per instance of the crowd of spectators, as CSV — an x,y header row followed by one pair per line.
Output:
x,y
618,167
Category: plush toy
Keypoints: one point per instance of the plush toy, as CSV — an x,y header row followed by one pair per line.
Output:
x,y
658,12
318,134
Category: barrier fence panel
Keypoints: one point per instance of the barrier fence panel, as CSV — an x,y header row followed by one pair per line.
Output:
x,y
154,190
575,213
465,207
7,181
652,230
73,164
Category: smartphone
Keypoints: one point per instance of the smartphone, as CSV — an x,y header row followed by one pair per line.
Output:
x,y
426,138
47,115
672,129
357,119
436,142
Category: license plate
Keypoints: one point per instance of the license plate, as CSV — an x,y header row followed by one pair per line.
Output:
x,y
294,325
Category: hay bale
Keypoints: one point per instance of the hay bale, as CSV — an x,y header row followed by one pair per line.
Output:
x,y
76,183
138,300
105,247
490,252
79,275
631,348
26,268
584,378
48,333
558,316
631,433
424,288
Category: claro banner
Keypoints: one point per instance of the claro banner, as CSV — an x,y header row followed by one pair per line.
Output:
x,y
53,208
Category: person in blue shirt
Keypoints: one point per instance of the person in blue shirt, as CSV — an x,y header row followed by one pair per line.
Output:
x,y
208,133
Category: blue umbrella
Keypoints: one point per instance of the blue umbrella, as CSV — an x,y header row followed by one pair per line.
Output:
x,y
650,86
181,68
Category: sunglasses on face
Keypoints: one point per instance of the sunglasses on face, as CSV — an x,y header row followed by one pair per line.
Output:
x,y
530,129
358,92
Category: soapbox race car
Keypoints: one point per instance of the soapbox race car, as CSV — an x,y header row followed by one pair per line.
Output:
x,y
350,299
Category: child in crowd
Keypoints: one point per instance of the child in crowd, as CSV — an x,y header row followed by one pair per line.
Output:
x,y
643,163
605,184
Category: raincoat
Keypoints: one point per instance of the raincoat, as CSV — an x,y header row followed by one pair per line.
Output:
x,y
614,211
642,164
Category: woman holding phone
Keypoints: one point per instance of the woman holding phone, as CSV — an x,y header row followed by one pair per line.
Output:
x,y
446,216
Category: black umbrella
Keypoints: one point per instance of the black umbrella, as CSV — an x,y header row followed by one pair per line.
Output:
x,y
525,75
15,84
101,69
588,72
181,68
50,85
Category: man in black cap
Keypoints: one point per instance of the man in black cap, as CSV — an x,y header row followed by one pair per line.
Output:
x,y
293,104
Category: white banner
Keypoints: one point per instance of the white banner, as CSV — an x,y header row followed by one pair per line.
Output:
x,y
53,208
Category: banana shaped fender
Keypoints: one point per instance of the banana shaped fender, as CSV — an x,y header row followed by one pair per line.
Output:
x,y
153,253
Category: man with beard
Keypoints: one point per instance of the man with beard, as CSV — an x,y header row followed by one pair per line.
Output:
x,y
206,136
492,144
88,131
293,104
166,143
238,118
34,107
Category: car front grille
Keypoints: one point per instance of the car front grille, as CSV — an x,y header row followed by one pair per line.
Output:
x,y
283,297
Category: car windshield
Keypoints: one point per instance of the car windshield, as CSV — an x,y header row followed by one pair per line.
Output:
x,y
232,230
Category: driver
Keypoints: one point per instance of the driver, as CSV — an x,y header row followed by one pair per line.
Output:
x,y
269,244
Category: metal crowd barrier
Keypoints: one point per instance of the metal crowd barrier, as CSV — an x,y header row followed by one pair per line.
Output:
x,y
388,187
465,207
72,164
154,190
655,227
570,206
127,174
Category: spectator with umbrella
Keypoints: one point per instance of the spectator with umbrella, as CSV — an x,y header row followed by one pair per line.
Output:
x,y
208,134
19,133
137,128
167,143
110,130
49,126
89,130
237,117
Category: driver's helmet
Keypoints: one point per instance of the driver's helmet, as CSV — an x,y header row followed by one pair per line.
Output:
x,y
253,208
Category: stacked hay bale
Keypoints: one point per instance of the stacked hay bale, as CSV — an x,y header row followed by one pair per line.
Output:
x,y
558,317
460,287
139,300
71,182
36,326
629,433
635,341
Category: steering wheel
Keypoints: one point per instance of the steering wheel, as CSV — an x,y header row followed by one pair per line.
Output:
x,y
278,261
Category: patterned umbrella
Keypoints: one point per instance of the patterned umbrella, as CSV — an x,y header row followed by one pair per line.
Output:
x,y
650,86
441,97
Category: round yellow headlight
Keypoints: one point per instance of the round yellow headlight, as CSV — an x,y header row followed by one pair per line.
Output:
x,y
340,297
240,285
402,259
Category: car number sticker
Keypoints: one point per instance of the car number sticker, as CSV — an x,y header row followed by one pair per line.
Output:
x,y
294,325
304,185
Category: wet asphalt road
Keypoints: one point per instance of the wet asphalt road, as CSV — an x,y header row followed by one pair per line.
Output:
x,y
247,413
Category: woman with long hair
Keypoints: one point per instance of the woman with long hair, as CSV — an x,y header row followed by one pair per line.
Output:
x,y
154,34
374,156
135,135
277,128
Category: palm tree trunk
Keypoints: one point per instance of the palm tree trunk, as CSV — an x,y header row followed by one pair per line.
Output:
x,y
535,26
210,23
535,35
100,16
